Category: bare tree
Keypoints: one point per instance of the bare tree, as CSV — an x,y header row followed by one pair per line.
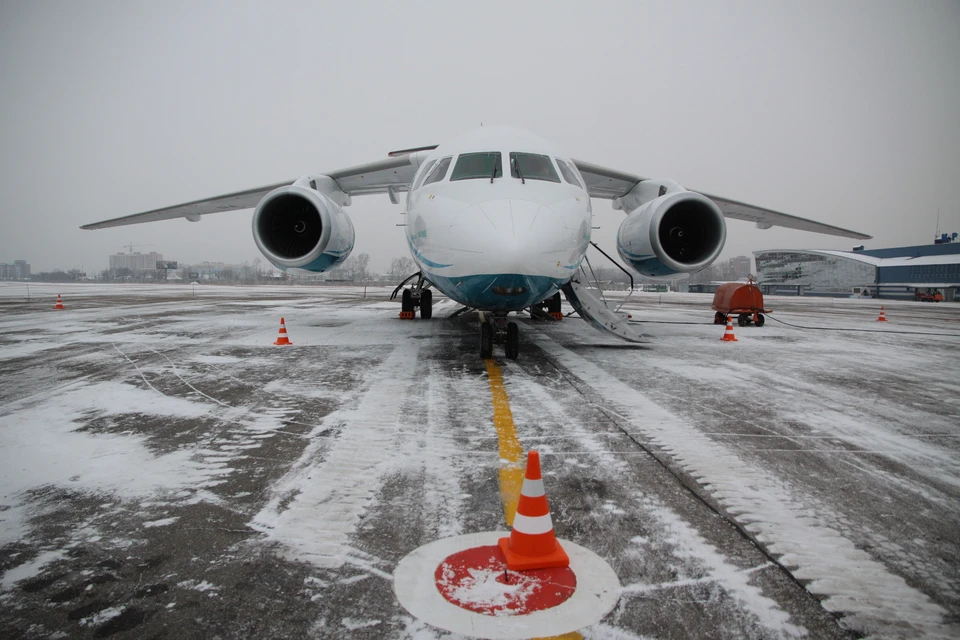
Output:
x,y
400,268
361,272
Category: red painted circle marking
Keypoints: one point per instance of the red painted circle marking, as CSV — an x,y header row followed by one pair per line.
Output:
x,y
474,579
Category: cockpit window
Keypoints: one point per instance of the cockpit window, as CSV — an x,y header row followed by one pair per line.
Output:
x,y
439,172
423,175
532,166
469,166
569,174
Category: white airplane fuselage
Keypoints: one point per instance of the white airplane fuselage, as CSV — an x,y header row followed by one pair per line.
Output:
x,y
501,244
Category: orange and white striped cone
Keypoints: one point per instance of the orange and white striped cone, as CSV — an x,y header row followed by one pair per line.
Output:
x,y
728,332
532,543
59,304
883,316
282,338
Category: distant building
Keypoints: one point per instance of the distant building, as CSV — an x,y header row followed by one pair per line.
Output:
x,y
899,272
18,270
741,267
736,268
135,261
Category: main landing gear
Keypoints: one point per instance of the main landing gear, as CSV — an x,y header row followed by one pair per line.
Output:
x,y
417,296
495,329
551,305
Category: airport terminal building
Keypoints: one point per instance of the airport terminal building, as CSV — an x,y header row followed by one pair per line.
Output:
x,y
901,272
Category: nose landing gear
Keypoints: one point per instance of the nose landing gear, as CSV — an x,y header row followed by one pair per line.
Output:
x,y
417,296
495,329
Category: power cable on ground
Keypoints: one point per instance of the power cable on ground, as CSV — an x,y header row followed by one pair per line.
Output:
x,y
798,326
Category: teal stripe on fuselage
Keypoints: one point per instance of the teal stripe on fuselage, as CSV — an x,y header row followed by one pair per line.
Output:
x,y
477,291
423,259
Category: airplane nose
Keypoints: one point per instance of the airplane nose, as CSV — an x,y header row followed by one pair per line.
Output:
x,y
520,225
519,236
523,248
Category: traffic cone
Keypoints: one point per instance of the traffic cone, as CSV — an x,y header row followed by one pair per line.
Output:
x,y
728,333
282,338
532,543
59,304
883,316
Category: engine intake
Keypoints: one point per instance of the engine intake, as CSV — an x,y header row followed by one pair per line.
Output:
x,y
297,227
681,232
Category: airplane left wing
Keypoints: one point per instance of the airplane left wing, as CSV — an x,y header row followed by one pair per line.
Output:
x,y
611,184
391,175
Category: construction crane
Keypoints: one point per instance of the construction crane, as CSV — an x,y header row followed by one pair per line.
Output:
x,y
130,245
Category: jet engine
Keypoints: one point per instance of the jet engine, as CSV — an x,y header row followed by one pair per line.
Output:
x,y
298,227
680,232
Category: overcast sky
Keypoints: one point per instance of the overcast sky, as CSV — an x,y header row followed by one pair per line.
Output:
x,y
844,112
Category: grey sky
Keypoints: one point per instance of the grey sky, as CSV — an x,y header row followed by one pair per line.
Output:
x,y
841,112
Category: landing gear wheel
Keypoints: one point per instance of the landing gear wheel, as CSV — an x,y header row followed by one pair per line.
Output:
x,y
760,320
743,320
426,304
720,318
553,303
406,301
486,341
512,346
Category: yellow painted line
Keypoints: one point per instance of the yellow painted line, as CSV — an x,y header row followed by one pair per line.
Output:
x,y
511,457
511,451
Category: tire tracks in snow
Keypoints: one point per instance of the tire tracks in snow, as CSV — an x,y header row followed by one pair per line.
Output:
x,y
318,504
854,585
689,548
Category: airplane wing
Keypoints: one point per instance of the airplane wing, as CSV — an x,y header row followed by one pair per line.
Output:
x,y
609,184
230,202
394,173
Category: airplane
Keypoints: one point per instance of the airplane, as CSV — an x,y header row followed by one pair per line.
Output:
x,y
497,220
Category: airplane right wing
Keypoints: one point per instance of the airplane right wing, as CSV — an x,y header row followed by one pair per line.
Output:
x,y
193,210
611,184
393,174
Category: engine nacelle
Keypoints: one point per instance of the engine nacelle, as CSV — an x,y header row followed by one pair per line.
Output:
x,y
680,232
298,227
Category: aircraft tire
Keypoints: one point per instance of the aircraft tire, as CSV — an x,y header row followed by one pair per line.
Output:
x,y
512,347
486,340
553,303
406,301
426,304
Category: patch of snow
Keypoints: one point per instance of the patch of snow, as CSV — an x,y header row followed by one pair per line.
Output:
x,y
216,359
352,624
101,616
482,589
317,505
197,586
688,542
160,523
30,569
854,584
607,632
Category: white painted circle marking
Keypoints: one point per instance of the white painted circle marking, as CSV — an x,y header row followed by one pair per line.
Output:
x,y
598,590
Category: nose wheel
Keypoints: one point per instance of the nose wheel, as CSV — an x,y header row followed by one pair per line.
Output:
x,y
496,330
414,297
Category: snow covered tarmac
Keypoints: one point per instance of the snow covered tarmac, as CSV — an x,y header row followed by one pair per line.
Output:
x,y
165,469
